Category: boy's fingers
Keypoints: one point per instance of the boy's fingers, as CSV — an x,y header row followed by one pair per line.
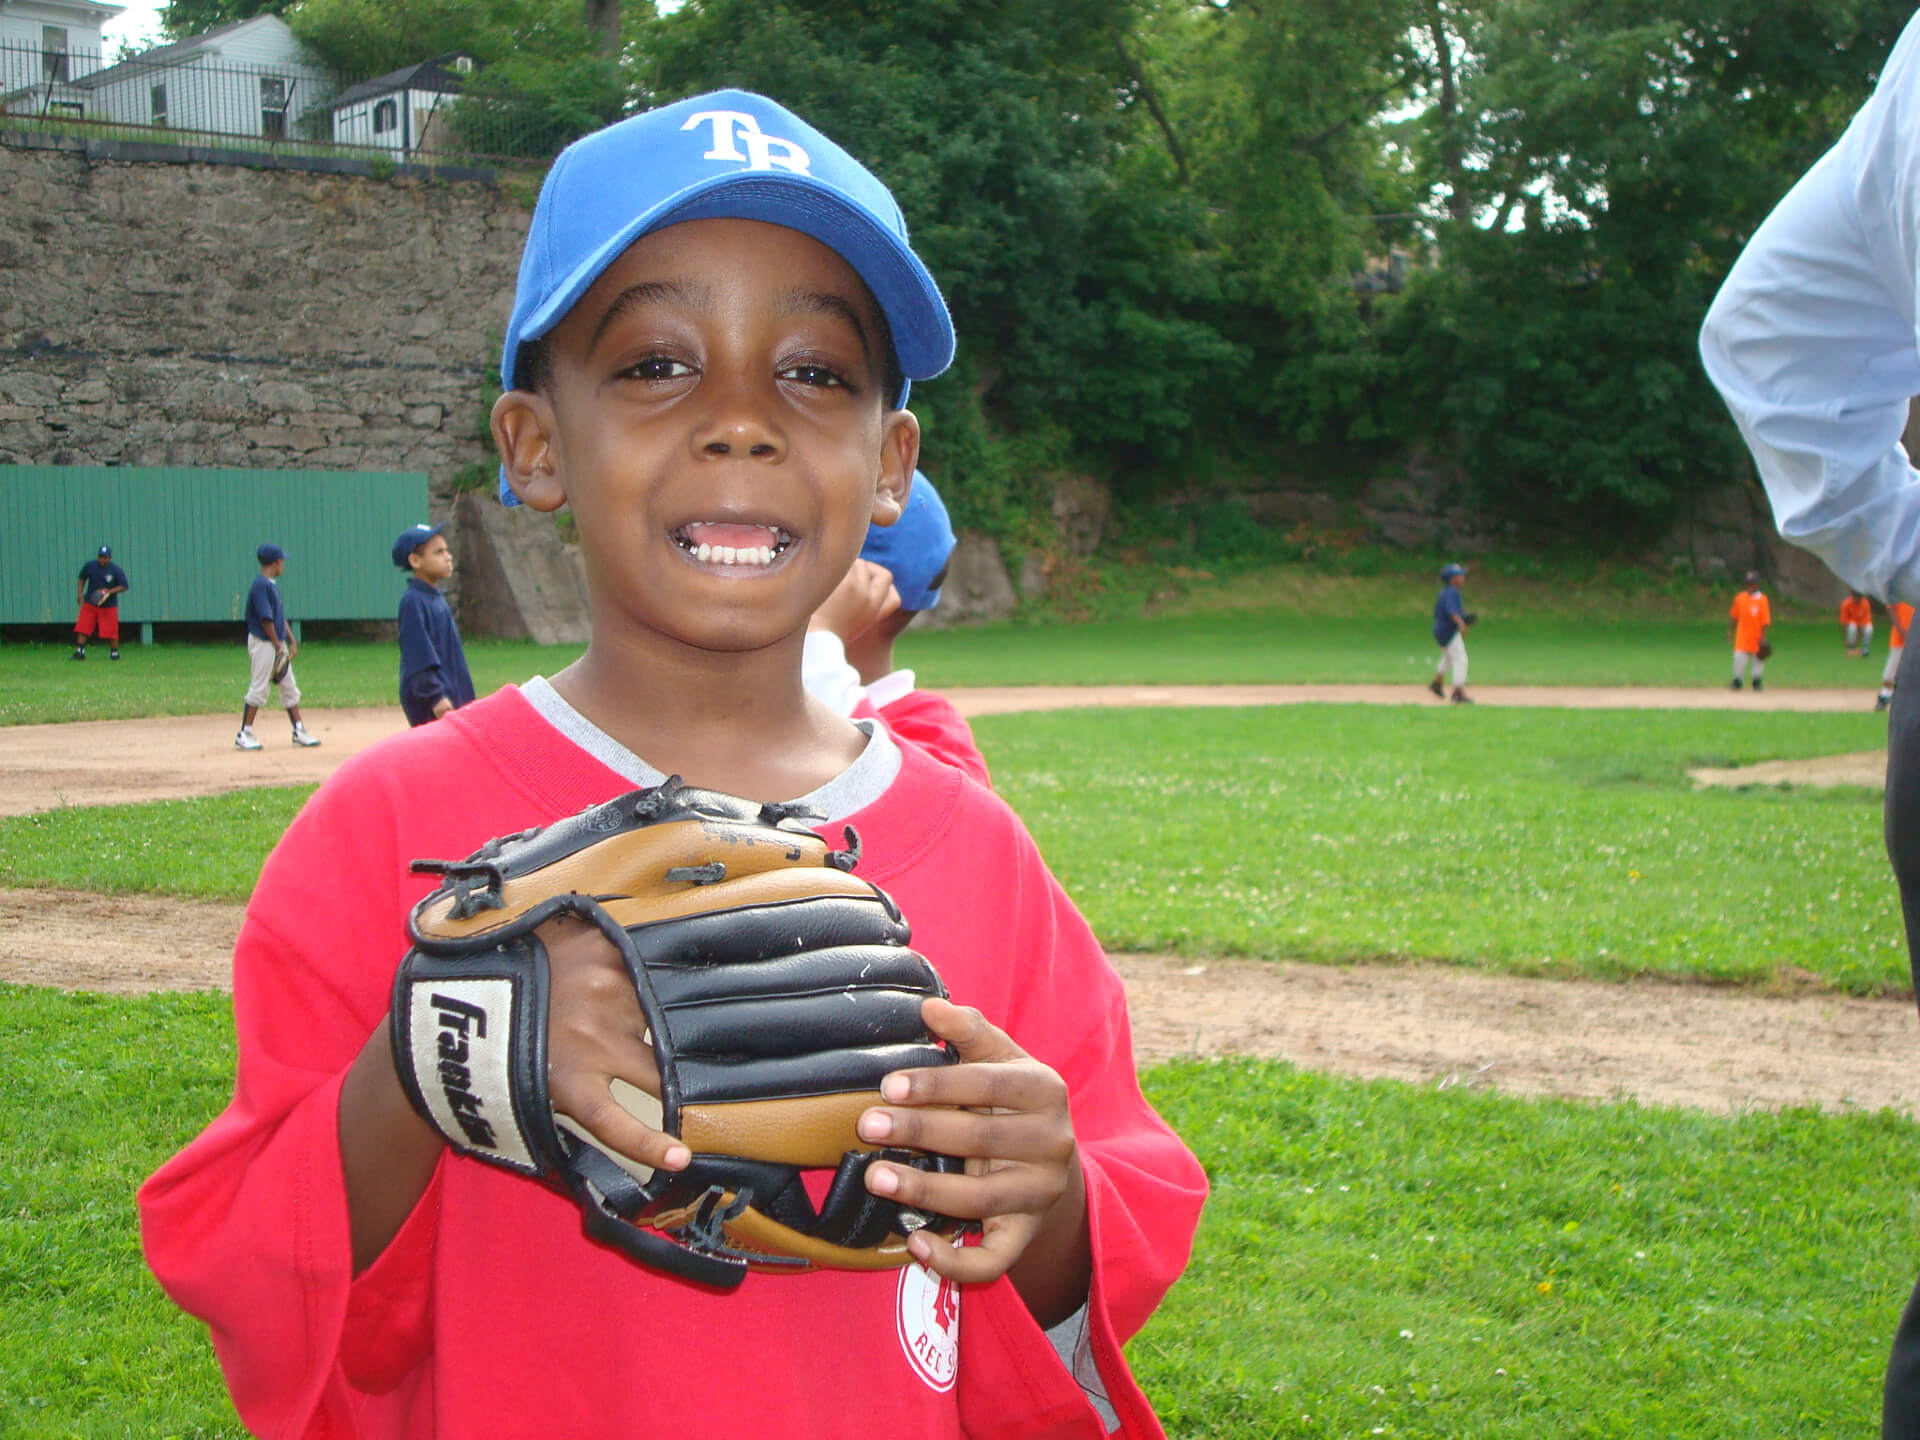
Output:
x,y
1002,1241
1013,1134
592,1106
1004,1192
976,1038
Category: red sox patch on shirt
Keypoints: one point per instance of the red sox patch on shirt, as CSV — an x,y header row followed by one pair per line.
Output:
x,y
928,1318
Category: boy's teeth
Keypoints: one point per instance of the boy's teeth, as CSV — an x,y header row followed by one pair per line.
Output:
x,y
710,553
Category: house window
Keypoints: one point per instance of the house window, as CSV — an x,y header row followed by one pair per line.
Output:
x,y
463,64
53,53
66,109
273,107
386,116
157,97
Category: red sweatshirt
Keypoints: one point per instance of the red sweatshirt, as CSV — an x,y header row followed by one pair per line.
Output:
x,y
490,1314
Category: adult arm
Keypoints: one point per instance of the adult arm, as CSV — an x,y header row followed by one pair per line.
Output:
x,y
1811,343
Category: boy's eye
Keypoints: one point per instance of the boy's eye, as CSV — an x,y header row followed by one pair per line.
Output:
x,y
658,367
812,374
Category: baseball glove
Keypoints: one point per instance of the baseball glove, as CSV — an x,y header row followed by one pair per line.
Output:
x,y
97,597
1765,652
1472,617
778,990
282,662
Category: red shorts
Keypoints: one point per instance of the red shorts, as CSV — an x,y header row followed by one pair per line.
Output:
x,y
106,617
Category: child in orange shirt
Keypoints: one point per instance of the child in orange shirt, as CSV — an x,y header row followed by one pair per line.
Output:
x,y
1747,622
1899,617
1856,623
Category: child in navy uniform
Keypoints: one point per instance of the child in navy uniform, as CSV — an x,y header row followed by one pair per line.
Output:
x,y
717,317
433,662
101,585
270,642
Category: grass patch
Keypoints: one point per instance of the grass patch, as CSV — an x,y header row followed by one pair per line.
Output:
x,y
1383,1259
207,848
1559,1268
1542,842
1537,841
1271,647
40,684
100,1091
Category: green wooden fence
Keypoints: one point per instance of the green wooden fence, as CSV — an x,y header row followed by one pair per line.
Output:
x,y
186,538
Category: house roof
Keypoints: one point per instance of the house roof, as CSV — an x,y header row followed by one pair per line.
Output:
x,y
80,9
176,53
436,75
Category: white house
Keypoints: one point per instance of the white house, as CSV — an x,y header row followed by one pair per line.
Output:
x,y
45,44
251,78
403,110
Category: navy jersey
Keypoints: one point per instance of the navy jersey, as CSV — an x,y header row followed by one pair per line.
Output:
x,y
265,609
432,661
1447,611
103,575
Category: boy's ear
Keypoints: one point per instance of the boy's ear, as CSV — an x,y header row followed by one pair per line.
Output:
x,y
523,432
899,453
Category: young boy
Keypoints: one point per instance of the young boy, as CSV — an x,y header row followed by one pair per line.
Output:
x,y
1450,622
270,642
707,360
848,659
1747,621
1856,624
433,663
100,587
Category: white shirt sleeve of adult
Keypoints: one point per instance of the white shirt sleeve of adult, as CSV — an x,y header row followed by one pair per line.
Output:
x,y
889,688
826,674
1812,343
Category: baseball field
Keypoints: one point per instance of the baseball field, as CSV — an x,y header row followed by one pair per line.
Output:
x,y
1548,1057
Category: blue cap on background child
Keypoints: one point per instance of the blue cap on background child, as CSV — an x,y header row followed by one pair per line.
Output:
x,y
916,547
411,539
734,155
267,554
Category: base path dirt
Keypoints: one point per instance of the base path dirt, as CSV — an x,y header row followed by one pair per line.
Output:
x,y
107,762
1659,1044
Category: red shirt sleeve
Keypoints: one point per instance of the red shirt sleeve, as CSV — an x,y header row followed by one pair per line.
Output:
x,y
930,721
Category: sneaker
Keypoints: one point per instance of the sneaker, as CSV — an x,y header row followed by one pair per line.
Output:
x,y
1460,697
1736,684
246,739
113,654
1758,685
304,736
79,653
1883,702
1439,690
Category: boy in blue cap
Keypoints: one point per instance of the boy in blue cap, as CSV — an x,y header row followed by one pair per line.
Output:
x,y
433,662
848,663
1450,621
717,318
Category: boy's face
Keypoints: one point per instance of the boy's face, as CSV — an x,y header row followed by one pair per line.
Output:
x,y
433,561
716,421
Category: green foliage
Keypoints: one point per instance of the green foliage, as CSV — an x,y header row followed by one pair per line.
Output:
x,y
180,18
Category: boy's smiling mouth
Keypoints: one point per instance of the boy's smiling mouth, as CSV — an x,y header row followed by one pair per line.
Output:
x,y
715,542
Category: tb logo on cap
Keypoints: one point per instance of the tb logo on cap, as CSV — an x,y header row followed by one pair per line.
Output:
x,y
764,152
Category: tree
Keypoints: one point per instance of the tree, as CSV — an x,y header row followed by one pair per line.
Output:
x,y
182,18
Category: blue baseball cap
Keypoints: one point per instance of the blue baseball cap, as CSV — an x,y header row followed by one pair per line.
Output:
x,y
267,554
1452,570
733,155
411,539
106,552
916,547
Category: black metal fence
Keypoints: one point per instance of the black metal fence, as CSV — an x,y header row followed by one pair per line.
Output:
x,y
169,97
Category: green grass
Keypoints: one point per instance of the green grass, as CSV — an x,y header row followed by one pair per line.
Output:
x,y
99,1092
1548,842
40,684
1536,841
1272,648
1380,1257
208,848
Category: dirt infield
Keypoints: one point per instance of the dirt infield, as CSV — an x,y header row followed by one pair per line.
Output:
x,y
106,762
1661,1044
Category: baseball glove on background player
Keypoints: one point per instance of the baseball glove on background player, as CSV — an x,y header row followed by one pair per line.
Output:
x,y
778,991
282,662
1765,652
97,597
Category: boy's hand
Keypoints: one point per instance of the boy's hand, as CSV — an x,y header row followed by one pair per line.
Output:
x,y
1015,1134
860,601
595,1031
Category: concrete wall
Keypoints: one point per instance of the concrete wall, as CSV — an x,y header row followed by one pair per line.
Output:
x,y
214,315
